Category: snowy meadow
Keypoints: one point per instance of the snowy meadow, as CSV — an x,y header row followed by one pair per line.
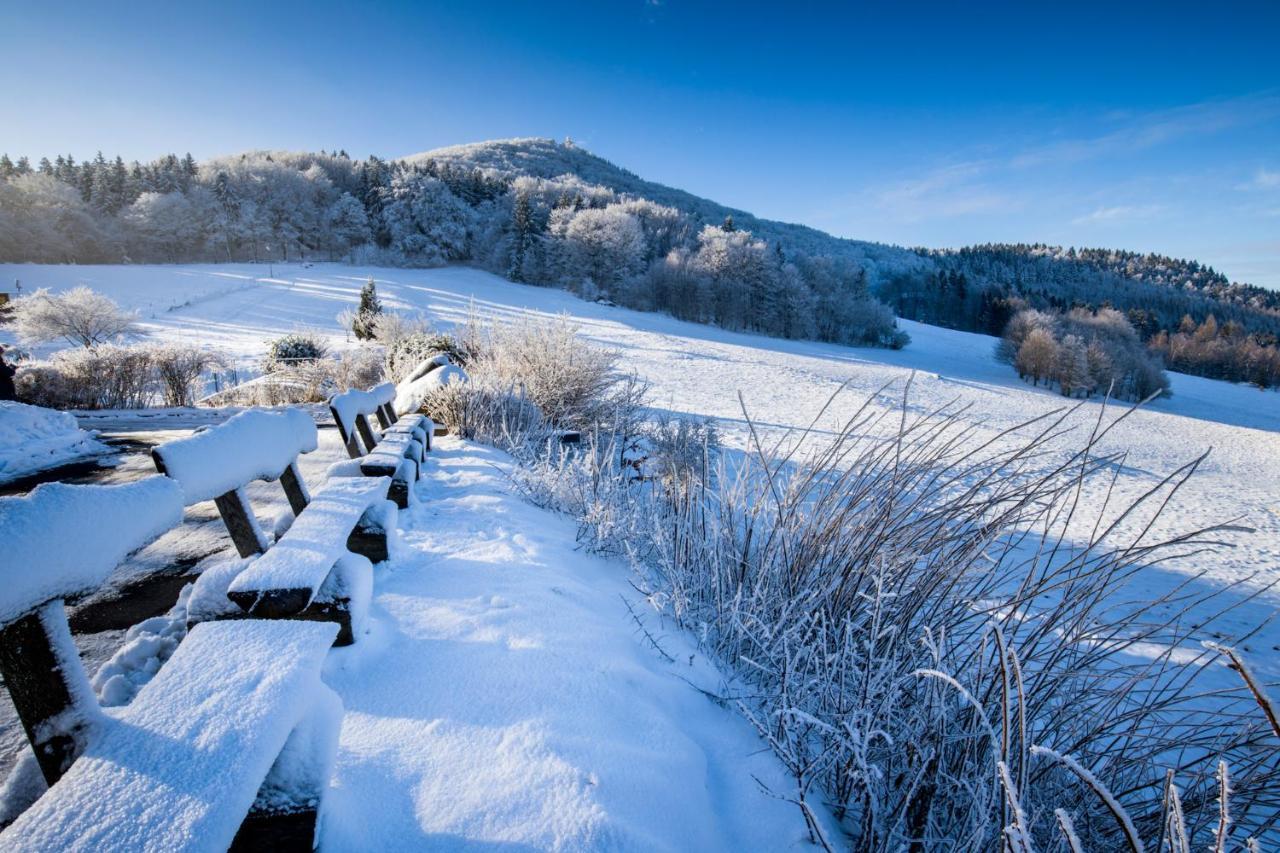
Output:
x,y
930,587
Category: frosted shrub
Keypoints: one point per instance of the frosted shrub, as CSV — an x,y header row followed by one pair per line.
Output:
x,y
574,385
479,411
295,350
100,377
179,368
80,316
408,351
361,368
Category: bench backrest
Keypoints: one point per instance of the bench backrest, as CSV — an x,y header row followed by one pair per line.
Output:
x,y
62,541
351,411
217,463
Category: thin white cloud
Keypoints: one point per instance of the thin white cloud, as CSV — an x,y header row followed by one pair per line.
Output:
x,y
1264,179
1151,129
1119,212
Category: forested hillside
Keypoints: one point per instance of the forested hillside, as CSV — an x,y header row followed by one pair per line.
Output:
x,y
553,214
1191,315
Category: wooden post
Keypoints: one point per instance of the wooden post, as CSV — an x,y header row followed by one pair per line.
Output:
x,y
369,539
383,420
294,488
40,682
366,433
347,436
391,412
241,523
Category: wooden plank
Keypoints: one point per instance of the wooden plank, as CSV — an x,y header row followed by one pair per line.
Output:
x,y
294,490
39,683
366,432
347,434
237,515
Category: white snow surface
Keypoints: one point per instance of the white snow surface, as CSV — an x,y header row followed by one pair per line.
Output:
x,y
178,768
317,538
253,445
504,697
347,405
33,439
61,540
411,393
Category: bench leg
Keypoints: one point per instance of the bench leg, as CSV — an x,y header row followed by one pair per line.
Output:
x,y
241,523
366,433
294,488
48,685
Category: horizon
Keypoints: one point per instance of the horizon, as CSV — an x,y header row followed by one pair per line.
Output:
x,y
1135,129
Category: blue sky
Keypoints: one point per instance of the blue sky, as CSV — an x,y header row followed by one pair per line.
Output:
x,y
1151,126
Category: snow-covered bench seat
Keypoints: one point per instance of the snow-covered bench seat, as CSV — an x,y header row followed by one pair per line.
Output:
x,y
420,425
231,745
218,462
310,573
397,452
232,741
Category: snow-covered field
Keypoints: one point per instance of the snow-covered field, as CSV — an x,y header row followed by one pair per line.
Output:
x,y
524,665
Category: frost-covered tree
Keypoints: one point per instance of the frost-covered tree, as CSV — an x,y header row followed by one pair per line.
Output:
x,y
605,246
425,221
79,316
347,223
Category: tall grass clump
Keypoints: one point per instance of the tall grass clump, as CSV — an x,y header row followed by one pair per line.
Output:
x,y
941,632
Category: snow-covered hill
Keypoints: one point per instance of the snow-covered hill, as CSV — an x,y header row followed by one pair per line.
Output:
x,y
546,158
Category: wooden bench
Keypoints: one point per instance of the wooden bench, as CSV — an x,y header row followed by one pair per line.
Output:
x,y
328,549
310,573
228,746
217,463
397,452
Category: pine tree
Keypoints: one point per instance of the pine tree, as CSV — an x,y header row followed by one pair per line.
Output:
x,y
6,166
728,225
522,223
365,322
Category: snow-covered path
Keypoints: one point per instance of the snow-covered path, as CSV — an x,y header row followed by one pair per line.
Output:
x,y
504,698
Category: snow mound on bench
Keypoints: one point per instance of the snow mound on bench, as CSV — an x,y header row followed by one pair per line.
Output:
x,y
33,439
63,540
303,558
180,766
347,405
411,395
253,445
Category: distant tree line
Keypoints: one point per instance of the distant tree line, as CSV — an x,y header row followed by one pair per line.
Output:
x,y
559,231
981,288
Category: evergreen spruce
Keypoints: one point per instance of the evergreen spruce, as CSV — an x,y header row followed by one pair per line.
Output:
x,y
365,322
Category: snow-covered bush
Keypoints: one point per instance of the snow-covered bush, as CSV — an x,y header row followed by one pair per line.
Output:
x,y
106,376
179,368
361,368
79,316
914,633
294,350
409,350
1083,352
